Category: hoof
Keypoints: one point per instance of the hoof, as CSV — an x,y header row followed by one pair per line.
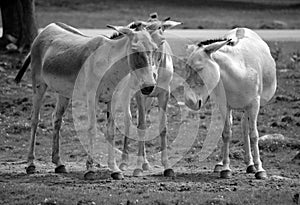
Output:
x,y
30,169
60,169
169,173
117,175
261,175
89,175
218,168
123,166
251,169
146,166
137,172
225,174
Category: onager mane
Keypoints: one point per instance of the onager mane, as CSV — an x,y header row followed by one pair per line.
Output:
x,y
210,41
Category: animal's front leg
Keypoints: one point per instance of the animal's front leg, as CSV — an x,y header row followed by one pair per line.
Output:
x,y
141,129
110,135
127,122
163,98
219,165
61,106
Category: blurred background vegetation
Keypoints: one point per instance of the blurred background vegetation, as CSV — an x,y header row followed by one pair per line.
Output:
x,y
195,14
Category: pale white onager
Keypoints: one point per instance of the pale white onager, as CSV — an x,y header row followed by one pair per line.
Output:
x,y
242,65
163,71
57,56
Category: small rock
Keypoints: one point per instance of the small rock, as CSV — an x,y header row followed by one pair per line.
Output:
x,y
217,201
272,142
48,202
277,178
272,137
86,202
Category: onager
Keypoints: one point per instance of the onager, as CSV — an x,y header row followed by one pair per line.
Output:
x,y
163,72
57,56
241,67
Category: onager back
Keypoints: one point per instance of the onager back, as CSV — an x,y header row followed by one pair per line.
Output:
x,y
240,66
57,56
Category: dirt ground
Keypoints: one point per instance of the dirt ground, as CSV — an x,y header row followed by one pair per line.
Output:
x,y
194,183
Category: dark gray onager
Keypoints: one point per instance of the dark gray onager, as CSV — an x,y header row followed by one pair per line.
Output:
x,y
57,56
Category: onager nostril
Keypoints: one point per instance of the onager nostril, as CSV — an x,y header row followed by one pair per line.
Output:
x,y
147,90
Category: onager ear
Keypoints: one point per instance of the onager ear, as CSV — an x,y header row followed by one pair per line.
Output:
x,y
121,29
190,49
215,46
170,24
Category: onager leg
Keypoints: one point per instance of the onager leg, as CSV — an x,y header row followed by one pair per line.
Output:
x,y
141,129
163,98
38,94
127,121
247,148
61,106
226,136
110,136
253,113
91,134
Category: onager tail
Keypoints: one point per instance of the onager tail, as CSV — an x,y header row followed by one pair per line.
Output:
x,y
22,71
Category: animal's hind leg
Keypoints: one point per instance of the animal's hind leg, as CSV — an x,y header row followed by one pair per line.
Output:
x,y
253,113
247,148
91,132
146,165
141,129
37,99
61,106
226,136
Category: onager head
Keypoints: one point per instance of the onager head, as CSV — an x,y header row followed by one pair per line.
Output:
x,y
140,55
203,73
147,46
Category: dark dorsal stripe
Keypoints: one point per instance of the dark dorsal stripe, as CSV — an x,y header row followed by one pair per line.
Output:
x,y
116,35
210,41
